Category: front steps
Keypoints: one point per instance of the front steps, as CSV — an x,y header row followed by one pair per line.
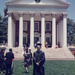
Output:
x,y
61,53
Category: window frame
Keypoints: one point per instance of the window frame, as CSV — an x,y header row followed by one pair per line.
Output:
x,y
46,25
26,26
34,26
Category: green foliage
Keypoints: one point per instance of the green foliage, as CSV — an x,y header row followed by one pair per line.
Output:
x,y
71,31
3,30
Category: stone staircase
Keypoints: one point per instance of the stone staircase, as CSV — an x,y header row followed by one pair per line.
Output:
x,y
58,53
61,53
18,52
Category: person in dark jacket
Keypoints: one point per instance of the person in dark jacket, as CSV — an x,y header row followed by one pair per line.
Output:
x,y
3,57
26,61
1,62
30,57
38,61
9,56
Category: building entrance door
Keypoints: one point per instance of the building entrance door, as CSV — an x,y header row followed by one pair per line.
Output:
x,y
36,39
24,41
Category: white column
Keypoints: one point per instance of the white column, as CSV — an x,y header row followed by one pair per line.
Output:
x,y
13,28
21,30
53,31
43,30
10,43
64,30
31,30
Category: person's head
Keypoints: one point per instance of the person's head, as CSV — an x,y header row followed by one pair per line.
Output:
x,y
29,50
26,51
3,50
10,50
39,46
46,43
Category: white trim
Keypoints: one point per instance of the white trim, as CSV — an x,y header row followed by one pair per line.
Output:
x,y
38,26
46,25
36,34
24,23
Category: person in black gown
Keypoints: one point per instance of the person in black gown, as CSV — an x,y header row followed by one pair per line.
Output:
x,y
26,61
38,61
4,66
30,57
1,60
9,56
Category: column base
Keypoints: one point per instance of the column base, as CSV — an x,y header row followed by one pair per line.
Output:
x,y
9,47
43,47
20,46
64,46
53,47
31,47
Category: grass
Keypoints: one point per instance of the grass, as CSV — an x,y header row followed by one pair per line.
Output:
x,y
52,67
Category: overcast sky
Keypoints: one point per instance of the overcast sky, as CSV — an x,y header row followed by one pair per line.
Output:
x,y
71,9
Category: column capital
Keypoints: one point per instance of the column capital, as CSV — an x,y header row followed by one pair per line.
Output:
x,y
54,14
21,14
32,14
9,13
42,15
64,14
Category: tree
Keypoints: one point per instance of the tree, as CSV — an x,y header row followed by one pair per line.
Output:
x,y
3,30
70,31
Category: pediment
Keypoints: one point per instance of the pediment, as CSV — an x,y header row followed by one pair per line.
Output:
x,y
42,2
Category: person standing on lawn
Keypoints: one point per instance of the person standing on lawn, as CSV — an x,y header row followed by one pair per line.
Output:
x,y
38,61
12,65
30,57
8,60
3,57
26,61
1,61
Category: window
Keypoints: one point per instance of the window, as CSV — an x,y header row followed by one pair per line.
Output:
x,y
48,26
36,26
25,26
48,40
24,40
36,39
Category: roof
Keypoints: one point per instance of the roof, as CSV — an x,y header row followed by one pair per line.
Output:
x,y
48,3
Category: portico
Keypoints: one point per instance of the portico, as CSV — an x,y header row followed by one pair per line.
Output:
x,y
50,20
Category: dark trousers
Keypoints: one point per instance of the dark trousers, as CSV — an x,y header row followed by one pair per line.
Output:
x,y
1,66
8,69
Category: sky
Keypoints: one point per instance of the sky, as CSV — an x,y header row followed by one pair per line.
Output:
x,y
71,9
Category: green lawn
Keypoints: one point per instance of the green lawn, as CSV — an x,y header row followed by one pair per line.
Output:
x,y
52,67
